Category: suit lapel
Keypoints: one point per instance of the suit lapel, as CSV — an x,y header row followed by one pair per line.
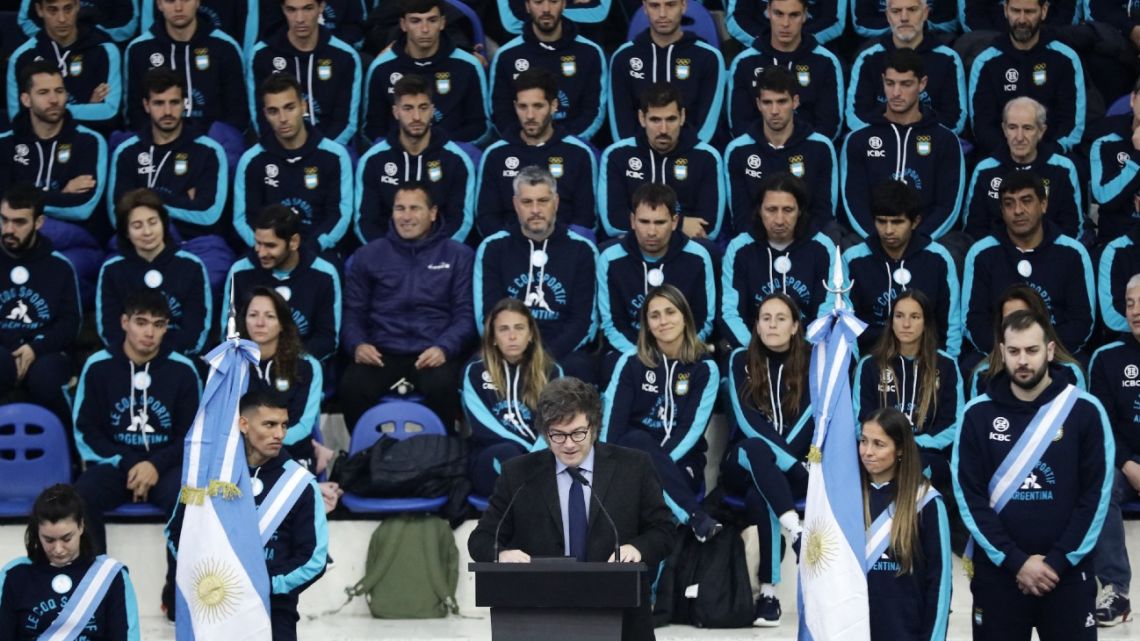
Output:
x,y
603,474
549,489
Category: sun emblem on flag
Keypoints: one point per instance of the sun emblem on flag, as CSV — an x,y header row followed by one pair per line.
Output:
x,y
820,547
217,591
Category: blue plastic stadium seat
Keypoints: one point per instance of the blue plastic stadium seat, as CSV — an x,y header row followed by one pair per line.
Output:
x,y
1120,106
478,502
138,511
399,420
34,455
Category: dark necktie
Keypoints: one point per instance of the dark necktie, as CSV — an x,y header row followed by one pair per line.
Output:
x,y
577,513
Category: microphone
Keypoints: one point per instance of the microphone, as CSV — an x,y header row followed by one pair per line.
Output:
x,y
507,511
581,478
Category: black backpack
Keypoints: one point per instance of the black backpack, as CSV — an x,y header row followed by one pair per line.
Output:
x,y
426,465
720,569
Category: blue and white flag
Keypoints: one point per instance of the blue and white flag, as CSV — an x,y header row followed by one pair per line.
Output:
x,y
223,584
833,584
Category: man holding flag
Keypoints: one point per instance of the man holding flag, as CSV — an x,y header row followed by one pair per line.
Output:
x,y
237,525
832,580
1032,475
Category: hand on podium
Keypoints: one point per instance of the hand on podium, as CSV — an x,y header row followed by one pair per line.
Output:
x,y
629,554
513,556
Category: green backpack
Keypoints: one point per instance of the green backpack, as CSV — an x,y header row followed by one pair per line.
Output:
x,y
412,569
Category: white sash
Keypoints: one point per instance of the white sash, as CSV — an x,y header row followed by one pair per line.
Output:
x,y
879,533
1026,453
284,495
82,603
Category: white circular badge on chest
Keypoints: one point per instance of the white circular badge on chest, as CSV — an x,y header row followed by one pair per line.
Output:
x,y
902,276
256,486
1024,268
153,278
783,265
282,385
19,275
141,381
656,277
285,291
538,258
61,584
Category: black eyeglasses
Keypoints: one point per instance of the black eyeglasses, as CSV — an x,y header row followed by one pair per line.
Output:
x,y
560,437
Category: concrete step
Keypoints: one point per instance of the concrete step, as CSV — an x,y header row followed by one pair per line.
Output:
x,y
140,547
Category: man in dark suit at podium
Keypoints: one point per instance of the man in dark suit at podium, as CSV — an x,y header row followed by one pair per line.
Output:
x,y
545,510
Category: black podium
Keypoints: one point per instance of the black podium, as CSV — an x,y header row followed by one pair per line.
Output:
x,y
556,599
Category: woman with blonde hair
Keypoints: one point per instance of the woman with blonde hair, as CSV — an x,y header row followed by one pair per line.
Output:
x,y
500,391
659,400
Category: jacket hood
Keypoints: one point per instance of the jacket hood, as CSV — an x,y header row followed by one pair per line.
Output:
x,y
22,126
998,388
513,136
927,121
270,144
86,38
162,259
1045,151
436,140
1051,230
305,262
272,465
399,48
918,242
279,41
201,33
676,246
801,129
569,33
928,44
685,141
687,38
763,44
42,248
1005,44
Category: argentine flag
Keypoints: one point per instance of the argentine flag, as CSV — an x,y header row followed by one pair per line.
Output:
x,y
223,584
832,583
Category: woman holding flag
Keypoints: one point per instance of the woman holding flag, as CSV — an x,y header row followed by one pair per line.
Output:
x,y
61,590
908,537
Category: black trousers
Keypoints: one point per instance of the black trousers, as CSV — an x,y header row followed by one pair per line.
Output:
x,y
362,386
45,382
1002,613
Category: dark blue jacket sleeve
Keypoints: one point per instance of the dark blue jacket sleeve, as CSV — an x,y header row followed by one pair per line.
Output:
x,y
462,328
618,399
622,108
309,534
934,533
196,307
753,423
1114,184
1096,477
64,328
971,489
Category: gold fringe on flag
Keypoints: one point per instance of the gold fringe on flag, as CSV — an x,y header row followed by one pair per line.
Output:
x,y
191,495
815,456
228,491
